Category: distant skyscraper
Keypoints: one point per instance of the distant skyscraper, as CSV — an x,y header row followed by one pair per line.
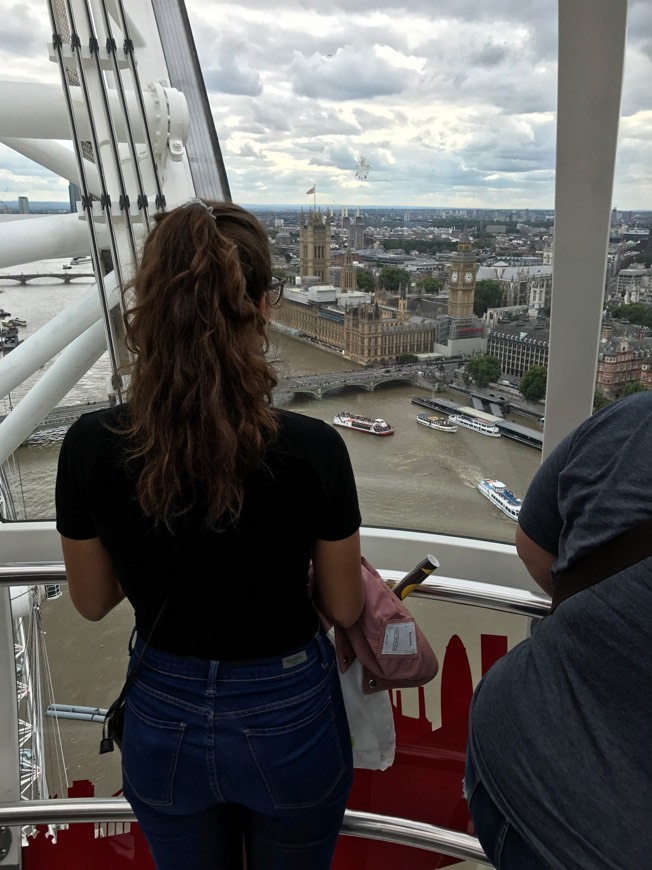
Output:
x,y
74,196
23,205
356,233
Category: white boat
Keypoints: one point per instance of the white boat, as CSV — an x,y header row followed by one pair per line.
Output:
x,y
438,423
475,424
503,498
362,424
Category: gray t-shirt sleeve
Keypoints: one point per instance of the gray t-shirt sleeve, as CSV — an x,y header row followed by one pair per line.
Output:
x,y
595,484
540,517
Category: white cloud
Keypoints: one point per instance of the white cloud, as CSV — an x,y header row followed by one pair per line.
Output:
x,y
348,75
229,75
452,105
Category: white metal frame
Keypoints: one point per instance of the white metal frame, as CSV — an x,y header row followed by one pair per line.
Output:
x,y
592,37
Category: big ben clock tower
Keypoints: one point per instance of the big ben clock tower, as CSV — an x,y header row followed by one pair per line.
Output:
x,y
461,279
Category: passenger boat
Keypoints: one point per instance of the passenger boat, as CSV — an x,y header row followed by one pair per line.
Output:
x,y
362,424
503,498
439,423
475,424
9,342
412,814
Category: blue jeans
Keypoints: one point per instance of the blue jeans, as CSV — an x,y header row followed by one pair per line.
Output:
x,y
503,845
218,756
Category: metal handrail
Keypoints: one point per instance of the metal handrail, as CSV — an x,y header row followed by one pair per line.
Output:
x,y
32,573
507,599
416,835
370,826
492,597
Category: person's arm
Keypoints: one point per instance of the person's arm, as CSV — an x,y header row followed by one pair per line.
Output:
x,y
92,582
338,592
537,560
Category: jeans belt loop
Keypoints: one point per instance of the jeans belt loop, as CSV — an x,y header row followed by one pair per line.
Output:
x,y
324,648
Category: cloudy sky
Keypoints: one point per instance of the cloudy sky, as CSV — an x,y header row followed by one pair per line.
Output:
x,y
449,104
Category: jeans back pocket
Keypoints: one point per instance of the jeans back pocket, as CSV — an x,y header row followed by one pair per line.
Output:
x,y
301,762
150,755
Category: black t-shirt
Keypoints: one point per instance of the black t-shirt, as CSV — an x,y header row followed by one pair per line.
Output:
x,y
238,592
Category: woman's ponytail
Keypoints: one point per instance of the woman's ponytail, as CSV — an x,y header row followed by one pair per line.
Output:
x,y
200,397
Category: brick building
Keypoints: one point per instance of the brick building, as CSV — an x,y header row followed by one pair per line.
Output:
x,y
350,322
518,346
625,357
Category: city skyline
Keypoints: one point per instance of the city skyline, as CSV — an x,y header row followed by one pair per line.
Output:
x,y
374,103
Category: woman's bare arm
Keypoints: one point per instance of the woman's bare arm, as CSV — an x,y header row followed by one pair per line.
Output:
x,y
338,590
92,582
537,560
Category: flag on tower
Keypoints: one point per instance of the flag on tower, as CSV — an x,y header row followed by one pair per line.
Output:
x,y
312,189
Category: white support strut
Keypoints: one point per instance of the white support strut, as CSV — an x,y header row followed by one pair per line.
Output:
x,y
62,375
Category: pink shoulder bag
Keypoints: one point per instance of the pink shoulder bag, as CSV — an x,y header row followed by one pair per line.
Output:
x,y
392,649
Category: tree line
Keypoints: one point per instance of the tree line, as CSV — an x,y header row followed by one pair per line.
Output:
x,y
485,370
636,312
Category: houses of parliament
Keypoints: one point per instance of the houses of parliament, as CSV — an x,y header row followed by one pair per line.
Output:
x,y
369,328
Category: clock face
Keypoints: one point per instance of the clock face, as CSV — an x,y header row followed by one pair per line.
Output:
x,y
453,276
468,277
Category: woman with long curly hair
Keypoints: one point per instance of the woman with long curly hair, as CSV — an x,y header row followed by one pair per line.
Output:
x,y
204,505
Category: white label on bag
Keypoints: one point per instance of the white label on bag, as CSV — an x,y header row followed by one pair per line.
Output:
x,y
400,639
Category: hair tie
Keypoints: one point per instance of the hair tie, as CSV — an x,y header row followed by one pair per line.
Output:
x,y
200,202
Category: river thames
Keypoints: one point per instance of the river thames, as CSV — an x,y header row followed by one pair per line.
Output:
x,y
418,479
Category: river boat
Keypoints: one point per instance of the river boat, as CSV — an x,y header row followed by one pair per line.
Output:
x,y
362,424
439,423
503,498
413,813
9,342
475,424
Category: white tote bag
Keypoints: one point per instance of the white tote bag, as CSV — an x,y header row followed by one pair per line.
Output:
x,y
371,722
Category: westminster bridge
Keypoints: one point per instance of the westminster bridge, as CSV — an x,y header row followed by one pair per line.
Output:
x,y
426,376
25,277
420,374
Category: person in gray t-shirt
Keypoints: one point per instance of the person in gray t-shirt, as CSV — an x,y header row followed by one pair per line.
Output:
x,y
559,763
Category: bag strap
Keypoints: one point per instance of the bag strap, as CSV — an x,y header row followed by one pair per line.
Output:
x,y
621,552
106,744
